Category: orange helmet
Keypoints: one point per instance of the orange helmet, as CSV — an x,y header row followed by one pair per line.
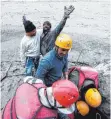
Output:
x,y
65,92
64,41
82,107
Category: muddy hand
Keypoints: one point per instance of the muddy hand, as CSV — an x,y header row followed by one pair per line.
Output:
x,y
24,19
68,11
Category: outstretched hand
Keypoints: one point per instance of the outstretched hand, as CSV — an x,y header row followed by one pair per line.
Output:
x,y
68,11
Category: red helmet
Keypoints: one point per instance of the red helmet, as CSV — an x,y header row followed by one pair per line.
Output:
x,y
65,92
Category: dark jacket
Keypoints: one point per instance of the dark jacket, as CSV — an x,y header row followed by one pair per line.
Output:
x,y
48,41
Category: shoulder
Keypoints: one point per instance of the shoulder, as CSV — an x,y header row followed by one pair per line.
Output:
x,y
24,39
49,57
39,31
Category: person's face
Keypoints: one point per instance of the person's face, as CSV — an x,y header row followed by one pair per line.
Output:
x,y
46,27
62,52
32,33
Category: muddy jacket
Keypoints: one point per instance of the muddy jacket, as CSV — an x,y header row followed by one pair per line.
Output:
x,y
47,42
25,106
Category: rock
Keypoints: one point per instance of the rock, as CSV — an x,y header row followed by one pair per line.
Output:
x,y
104,86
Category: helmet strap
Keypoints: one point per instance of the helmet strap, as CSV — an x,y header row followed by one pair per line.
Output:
x,y
47,99
51,100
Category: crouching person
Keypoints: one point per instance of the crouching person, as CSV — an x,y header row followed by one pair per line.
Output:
x,y
33,100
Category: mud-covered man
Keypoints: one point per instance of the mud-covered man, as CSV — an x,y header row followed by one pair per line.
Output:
x,y
48,36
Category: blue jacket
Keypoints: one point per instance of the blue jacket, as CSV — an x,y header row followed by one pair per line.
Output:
x,y
51,67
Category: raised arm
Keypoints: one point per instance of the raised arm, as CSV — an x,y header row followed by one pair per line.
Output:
x,y
67,12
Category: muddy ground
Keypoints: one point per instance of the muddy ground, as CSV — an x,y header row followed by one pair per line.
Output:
x,y
89,26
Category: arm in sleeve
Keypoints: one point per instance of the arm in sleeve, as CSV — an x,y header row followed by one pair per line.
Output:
x,y
60,26
22,52
67,12
43,69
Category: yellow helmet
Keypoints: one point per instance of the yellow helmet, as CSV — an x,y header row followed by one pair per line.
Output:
x,y
64,41
82,107
93,97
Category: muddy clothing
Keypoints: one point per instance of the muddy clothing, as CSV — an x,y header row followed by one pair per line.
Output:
x,y
51,67
47,41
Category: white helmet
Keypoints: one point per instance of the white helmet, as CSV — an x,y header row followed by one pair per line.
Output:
x,y
31,80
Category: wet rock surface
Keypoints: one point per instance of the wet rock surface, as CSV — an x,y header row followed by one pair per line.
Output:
x,y
88,25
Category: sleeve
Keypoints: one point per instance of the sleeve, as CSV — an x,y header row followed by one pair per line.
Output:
x,y
60,26
22,52
42,70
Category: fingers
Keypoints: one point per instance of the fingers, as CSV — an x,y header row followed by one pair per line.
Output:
x,y
65,8
71,7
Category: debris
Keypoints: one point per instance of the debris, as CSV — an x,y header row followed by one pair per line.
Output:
x,y
6,74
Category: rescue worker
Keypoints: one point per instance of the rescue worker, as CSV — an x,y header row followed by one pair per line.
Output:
x,y
48,37
30,47
54,64
33,100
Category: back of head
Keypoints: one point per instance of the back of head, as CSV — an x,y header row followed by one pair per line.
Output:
x,y
28,25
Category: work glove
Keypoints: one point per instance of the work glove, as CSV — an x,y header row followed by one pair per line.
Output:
x,y
68,11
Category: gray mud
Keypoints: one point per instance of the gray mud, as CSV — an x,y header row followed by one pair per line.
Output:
x,y
89,26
